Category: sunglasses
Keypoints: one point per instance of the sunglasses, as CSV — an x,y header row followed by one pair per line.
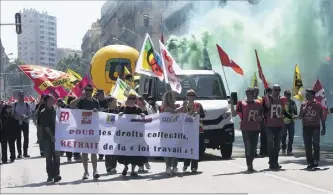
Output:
x,y
131,98
191,95
88,90
277,89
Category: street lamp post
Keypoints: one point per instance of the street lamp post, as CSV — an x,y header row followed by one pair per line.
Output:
x,y
126,29
158,21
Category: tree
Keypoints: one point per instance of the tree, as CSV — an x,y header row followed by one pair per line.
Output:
x,y
74,63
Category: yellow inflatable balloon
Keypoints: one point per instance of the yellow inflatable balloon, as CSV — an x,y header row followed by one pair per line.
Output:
x,y
109,63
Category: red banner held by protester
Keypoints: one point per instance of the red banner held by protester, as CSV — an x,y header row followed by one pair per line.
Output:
x,y
320,96
260,72
228,62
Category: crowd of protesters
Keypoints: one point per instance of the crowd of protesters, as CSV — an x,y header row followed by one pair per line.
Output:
x,y
271,116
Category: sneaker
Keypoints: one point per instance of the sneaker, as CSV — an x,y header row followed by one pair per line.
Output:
x,y
57,178
108,170
49,179
174,170
310,166
42,154
141,169
85,176
96,175
184,168
4,162
113,171
283,151
19,156
26,156
133,174
12,160
168,170
100,158
69,160
289,153
124,173
147,165
194,170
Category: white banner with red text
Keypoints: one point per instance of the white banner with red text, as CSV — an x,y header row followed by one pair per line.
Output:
x,y
160,135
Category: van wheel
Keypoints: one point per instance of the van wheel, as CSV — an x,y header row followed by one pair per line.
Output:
x,y
226,151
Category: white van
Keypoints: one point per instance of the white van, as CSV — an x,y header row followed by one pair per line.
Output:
x,y
219,130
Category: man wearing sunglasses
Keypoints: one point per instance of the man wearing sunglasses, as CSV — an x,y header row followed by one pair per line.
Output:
x,y
87,102
273,107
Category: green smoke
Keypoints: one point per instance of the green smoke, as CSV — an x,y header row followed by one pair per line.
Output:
x,y
291,33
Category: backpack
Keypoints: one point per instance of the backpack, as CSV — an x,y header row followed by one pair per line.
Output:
x,y
26,104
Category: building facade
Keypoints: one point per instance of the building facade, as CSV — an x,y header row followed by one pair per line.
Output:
x,y
91,43
4,60
65,52
38,42
124,22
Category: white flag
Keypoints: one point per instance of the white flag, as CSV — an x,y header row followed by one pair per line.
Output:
x,y
149,62
171,68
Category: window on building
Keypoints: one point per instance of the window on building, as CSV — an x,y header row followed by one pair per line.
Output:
x,y
51,33
20,47
52,44
42,37
52,59
52,54
42,42
52,49
51,28
42,47
42,58
30,21
43,53
41,21
51,39
41,26
41,32
51,23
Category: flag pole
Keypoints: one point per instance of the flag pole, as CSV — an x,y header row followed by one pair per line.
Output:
x,y
292,91
226,81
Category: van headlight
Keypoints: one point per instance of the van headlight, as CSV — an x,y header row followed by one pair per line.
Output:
x,y
226,115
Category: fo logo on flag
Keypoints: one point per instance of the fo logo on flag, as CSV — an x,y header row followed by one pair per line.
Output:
x,y
86,118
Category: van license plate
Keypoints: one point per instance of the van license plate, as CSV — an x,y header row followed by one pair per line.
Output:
x,y
206,141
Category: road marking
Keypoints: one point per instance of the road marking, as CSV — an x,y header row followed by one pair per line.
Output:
x,y
287,180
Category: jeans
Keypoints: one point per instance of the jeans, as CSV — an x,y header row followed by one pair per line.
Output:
x,y
311,137
25,129
290,130
274,135
250,139
171,162
110,162
52,159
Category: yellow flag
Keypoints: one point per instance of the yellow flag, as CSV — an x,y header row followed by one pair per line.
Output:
x,y
121,91
254,82
127,72
76,75
298,85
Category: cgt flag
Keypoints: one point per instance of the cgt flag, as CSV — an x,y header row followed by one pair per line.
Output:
x,y
298,85
321,97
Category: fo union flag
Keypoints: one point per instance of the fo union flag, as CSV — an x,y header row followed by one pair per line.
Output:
x,y
320,96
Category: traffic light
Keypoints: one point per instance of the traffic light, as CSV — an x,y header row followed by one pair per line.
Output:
x,y
18,23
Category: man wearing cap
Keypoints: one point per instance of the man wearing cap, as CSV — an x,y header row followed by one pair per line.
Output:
x,y
22,114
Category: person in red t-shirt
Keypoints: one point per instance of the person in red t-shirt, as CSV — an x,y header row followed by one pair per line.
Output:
x,y
273,107
251,114
311,113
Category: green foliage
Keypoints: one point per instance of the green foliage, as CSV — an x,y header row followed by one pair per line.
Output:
x,y
74,63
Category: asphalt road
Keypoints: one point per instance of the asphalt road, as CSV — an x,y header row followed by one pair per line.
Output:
x,y
214,176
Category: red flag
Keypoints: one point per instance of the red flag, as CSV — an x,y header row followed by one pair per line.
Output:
x,y
12,99
162,38
32,99
260,72
26,99
77,90
226,61
321,97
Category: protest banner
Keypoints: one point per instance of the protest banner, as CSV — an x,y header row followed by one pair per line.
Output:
x,y
159,135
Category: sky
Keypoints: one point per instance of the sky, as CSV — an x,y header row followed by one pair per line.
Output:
x,y
74,18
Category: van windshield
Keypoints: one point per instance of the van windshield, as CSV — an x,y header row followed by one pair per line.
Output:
x,y
206,87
